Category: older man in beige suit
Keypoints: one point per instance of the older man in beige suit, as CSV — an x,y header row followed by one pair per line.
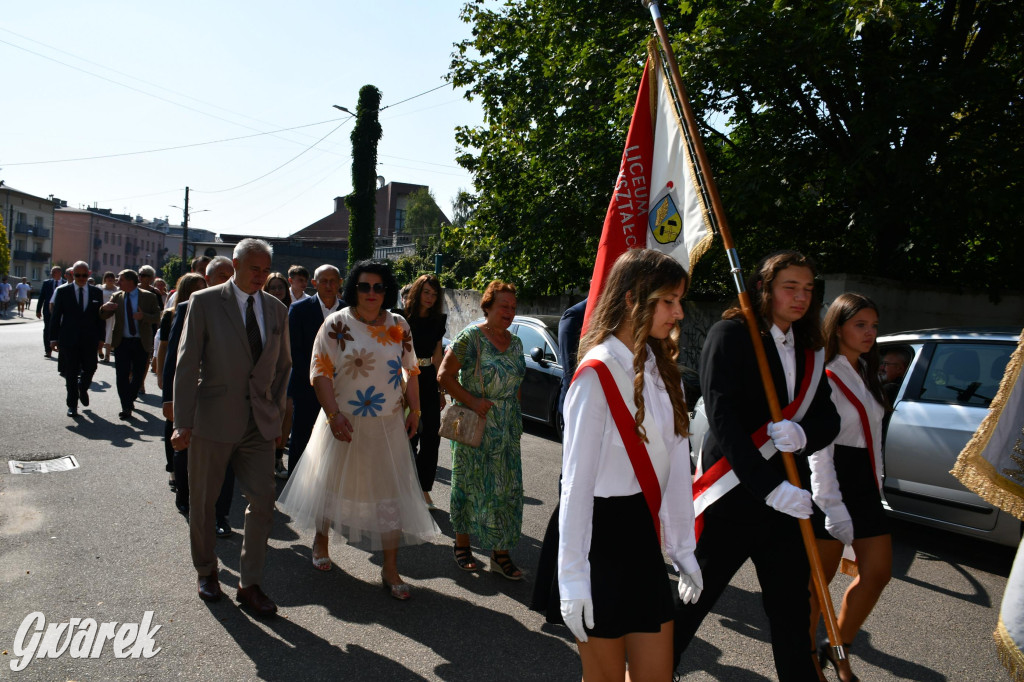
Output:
x,y
229,398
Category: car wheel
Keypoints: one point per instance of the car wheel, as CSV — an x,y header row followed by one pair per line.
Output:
x,y
558,422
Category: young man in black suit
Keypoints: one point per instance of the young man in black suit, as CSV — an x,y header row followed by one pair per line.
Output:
x,y
43,304
304,321
755,509
77,333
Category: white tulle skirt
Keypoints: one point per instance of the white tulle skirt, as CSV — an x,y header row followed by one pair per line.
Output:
x,y
366,489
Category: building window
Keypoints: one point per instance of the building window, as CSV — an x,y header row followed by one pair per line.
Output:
x,y
399,219
19,244
22,218
19,270
118,260
39,223
119,244
35,273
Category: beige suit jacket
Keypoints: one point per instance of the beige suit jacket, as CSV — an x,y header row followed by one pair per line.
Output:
x,y
216,384
149,304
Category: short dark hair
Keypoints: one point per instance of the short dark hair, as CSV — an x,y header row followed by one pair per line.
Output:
x,y
130,275
299,270
375,267
199,264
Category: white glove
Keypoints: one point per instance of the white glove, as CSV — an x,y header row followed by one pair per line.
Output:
x,y
787,436
575,612
690,586
839,525
789,499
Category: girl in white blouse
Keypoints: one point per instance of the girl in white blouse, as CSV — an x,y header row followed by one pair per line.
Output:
x,y
626,402
847,475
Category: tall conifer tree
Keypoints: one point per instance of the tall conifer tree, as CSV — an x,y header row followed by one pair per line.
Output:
x,y
362,202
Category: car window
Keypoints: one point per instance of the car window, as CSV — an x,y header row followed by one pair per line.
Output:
x,y
965,373
532,338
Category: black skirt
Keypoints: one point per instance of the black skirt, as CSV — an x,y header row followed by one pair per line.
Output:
x,y
629,582
859,488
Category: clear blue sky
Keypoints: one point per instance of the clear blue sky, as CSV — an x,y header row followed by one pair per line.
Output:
x,y
100,78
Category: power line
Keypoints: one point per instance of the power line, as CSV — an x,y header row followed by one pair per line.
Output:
x,y
180,146
229,189
425,92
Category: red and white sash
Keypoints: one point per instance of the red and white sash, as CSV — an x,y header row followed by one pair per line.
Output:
x,y
650,462
713,484
862,412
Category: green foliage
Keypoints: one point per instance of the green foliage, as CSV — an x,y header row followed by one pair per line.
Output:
x,y
881,138
422,214
5,249
172,270
362,202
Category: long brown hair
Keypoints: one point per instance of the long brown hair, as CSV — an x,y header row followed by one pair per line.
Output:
x,y
647,276
188,284
839,313
411,304
806,330
287,299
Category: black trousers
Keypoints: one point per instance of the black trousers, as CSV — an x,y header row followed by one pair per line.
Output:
x,y
46,327
77,365
428,438
739,527
130,360
304,412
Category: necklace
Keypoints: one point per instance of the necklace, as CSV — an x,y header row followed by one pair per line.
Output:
x,y
500,333
370,323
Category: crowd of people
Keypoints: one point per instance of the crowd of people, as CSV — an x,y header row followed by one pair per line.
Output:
x,y
353,385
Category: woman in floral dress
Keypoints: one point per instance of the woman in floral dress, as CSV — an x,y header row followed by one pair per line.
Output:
x,y
357,475
487,481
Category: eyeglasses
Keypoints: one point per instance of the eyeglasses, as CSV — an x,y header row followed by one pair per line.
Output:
x,y
364,287
79,274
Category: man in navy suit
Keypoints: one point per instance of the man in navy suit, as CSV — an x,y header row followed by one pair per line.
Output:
x,y
304,321
78,333
43,305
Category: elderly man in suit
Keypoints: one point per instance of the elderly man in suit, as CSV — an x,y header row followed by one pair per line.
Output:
x,y
43,304
304,321
229,399
77,333
136,313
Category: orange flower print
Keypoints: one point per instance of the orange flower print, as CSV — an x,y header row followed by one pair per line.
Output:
x,y
396,334
380,334
340,332
406,340
322,366
359,363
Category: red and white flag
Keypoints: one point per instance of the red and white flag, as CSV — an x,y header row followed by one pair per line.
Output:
x,y
656,203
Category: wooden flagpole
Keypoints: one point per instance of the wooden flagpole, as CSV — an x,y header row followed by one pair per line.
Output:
x,y
722,226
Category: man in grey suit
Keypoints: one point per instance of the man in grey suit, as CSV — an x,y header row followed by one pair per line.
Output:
x,y
229,398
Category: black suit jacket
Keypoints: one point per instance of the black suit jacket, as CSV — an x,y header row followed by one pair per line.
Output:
x,y
569,328
736,406
71,326
45,294
171,360
304,321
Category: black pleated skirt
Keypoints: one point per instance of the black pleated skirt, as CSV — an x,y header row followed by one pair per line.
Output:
x,y
859,488
629,582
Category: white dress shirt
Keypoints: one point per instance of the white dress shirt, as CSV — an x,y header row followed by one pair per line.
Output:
x,y
824,486
257,305
324,309
595,464
787,353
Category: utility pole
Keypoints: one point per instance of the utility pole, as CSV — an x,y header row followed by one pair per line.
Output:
x,y
184,237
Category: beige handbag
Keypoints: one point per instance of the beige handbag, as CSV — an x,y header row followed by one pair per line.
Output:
x,y
461,424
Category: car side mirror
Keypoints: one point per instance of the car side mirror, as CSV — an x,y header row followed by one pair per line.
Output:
x,y
537,355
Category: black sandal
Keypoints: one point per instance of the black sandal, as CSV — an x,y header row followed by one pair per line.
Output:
x,y
503,566
464,558
825,658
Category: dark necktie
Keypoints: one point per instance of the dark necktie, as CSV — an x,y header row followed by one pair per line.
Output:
x,y
131,315
252,330
81,298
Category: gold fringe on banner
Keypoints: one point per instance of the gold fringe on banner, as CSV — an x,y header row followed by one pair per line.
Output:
x,y
1009,655
979,474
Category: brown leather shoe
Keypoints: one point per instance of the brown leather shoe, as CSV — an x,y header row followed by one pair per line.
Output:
x,y
254,598
209,588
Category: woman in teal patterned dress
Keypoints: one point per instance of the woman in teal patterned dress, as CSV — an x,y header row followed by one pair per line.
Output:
x,y
487,481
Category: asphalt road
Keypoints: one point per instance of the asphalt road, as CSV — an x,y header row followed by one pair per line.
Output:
x,y
105,542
